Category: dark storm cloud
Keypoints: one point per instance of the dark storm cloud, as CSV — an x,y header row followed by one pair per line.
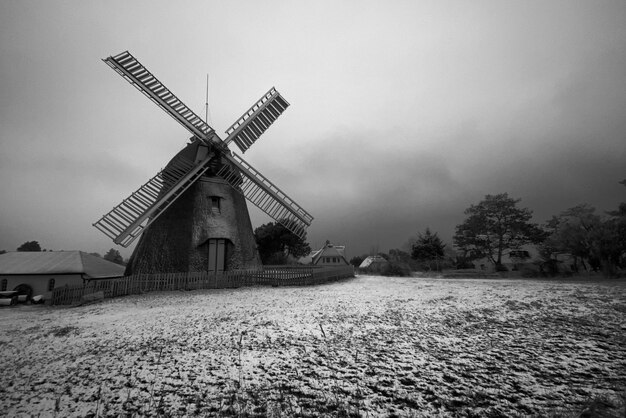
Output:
x,y
579,155
365,191
381,189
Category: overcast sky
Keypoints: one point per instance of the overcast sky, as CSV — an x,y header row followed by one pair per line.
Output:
x,y
403,113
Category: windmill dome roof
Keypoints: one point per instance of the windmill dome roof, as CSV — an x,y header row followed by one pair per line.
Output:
x,y
188,153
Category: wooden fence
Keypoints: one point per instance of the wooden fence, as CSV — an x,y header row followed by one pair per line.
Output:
x,y
268,276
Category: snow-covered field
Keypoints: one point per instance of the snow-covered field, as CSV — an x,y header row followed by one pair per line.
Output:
x,y
369,346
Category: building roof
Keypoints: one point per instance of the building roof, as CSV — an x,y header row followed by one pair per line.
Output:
x,y
58,262
372,259
329,250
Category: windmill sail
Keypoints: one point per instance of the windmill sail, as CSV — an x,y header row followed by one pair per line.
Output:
x,y
126,221
266,196
256,120
136,74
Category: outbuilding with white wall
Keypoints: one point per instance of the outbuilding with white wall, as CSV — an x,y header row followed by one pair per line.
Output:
x,y
38,273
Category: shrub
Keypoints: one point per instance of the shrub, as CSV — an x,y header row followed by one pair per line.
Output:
x,y
501,268
356,261
464,263
390,268
279,258
530,270
394,268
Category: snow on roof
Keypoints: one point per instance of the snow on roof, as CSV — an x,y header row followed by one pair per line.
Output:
x,y
58,262
329,250
372,259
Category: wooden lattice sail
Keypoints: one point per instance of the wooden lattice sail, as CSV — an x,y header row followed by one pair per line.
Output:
x,y
192,214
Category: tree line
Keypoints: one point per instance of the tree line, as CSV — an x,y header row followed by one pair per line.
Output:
x,y
494,228
498,226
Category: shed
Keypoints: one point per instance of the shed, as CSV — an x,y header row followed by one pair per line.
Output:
x,y
38,273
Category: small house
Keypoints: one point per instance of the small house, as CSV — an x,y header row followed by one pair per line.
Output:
x,y
330,255
38,273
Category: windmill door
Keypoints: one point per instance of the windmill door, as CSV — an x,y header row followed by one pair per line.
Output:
x,y
217,255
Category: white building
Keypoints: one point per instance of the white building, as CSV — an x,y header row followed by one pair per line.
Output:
x,y
330,255
38,273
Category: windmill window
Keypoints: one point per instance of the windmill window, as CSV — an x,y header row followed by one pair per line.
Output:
x,y
216,206
4,284
50,285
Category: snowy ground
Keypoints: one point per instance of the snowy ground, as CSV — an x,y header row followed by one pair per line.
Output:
x,y
369,346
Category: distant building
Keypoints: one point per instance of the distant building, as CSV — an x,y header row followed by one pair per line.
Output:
x,y
38,273
373,261
330,255
511,260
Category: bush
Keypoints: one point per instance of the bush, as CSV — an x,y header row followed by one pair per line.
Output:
x,y
464,263
356,261
279,258
501,268
396,269
390,268
530,270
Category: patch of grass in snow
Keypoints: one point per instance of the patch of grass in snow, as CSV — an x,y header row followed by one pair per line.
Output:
x,y
64,331
620,308
601,406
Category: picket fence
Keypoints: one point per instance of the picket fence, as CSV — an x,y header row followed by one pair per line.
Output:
x,y
268,276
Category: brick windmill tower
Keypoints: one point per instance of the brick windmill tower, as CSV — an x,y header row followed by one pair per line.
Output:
x,y
192,215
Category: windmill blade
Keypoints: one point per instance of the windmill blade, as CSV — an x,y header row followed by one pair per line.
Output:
x,y
265,195
126,221
136,74
256,120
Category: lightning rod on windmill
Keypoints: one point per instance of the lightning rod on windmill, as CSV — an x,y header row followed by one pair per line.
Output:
x,y
206,115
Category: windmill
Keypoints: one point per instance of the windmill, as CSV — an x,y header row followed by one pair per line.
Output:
x,y
192,214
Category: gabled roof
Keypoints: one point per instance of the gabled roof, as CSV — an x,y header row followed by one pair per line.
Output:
x,y
58,262
329,250
372,259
